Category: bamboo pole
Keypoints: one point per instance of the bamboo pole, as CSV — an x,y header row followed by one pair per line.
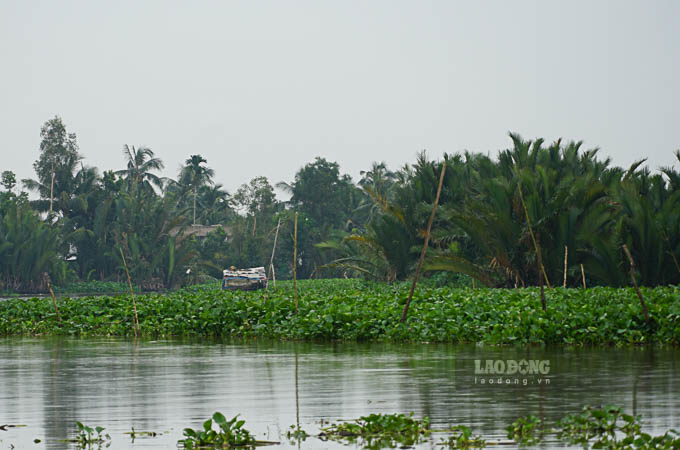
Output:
x,y
645,311
54,300
427,241
295,263
132,294
271,260
540,283
533,238
583,276
566,252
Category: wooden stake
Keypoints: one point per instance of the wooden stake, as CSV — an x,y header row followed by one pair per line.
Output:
x,y
583,276
566,252
427,241
54,300
295,263
637,289
132,294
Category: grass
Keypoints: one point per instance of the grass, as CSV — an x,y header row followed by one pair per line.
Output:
x,y
354,310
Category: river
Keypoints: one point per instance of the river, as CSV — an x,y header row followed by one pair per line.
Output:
x,y
164,386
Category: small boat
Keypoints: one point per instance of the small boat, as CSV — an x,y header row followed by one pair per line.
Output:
x,y
244,279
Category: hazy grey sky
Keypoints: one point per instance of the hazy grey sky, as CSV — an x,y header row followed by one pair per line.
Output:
x,y
262,87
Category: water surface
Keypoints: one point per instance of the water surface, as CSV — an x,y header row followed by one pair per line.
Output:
x,y
164,386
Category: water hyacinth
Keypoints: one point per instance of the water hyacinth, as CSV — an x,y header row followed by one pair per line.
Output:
x,y
355,310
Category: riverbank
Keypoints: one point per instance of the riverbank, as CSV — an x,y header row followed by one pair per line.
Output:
x,y
355,310
78,289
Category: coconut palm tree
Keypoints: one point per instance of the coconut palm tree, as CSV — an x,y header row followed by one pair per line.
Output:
x,y
140,163
194,175
215,204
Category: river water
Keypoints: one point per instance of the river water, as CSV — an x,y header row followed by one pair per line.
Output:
x,y
48,384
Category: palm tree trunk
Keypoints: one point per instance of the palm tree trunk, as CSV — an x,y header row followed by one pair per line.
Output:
x,y
195,194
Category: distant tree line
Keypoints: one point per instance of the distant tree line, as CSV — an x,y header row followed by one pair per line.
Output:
x,y
501,221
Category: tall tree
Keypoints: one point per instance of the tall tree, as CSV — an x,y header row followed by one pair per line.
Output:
x,y
57,162
9,180
194,175
322,194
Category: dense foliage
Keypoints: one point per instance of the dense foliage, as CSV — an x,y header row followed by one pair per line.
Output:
x,y
360,310
508,221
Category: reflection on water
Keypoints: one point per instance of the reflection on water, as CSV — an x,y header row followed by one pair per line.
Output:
x,y
164,386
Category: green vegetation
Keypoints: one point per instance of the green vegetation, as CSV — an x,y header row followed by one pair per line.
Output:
x,y
606,427
603,427
229,434
296,434
88,437
609,427
537,214
380,430
358,310
524,430
463,438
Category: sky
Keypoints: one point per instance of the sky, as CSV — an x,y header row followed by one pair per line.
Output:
x,y
264,87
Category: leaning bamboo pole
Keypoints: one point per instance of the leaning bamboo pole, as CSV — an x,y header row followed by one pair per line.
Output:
x,y
132,294
540,283
271,260
54,299
272,273
645,311
583,276
533,239
427,241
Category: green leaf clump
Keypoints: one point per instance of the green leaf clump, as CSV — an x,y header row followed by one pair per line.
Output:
x,y
229,434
